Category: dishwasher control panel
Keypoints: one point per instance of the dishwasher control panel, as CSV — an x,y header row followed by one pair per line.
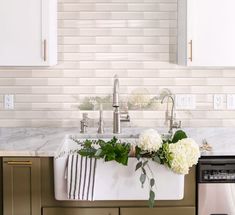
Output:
x,y
218,175
216,170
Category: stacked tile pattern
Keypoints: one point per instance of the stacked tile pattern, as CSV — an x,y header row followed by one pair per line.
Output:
x,y
135,39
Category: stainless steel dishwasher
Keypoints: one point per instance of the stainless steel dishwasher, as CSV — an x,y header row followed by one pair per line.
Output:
x,y
216,186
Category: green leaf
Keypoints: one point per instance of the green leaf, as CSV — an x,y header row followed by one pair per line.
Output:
x,y
157,159
138,165
98,152
152,182
179,135
142,179
151,198
143,170
145,163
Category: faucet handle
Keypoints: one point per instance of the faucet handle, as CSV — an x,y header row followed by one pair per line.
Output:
x,y
176,124
84,123
125,117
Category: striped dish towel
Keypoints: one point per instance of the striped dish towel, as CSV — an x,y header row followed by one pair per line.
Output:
x,y
80,177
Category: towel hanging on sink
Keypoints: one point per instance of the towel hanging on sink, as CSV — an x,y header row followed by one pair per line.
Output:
x,y
80,177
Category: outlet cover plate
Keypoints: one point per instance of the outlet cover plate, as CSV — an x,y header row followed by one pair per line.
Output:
x,y
9,102
218,102
231,101
185,102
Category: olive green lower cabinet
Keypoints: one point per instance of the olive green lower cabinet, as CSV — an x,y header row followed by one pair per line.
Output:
x,y
158,211
21,186
28,189
80,211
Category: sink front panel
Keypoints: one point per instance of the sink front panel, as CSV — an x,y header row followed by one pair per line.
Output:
x,y
114,181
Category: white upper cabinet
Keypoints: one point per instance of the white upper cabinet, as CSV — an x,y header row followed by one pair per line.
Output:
x,y
206,32
28,32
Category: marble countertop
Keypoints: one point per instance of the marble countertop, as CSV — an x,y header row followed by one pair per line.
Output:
x,y
44,142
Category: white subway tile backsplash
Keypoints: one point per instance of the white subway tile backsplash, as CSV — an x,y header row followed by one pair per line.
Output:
x,y
135,39
74,6
159,15
129,15
111,56
77,40
95,15
95,31
127,31
95,48
76,24
111,7
77,56
95,65
114,40
68,48
111,24
123,49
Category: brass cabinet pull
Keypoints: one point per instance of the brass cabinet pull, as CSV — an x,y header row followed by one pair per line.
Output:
x,y
45,50
191,51
19,163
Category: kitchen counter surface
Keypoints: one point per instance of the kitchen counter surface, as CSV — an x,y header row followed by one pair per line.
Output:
x,y
32,141
44,142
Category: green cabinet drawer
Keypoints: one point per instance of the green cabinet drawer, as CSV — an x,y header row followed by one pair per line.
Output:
x,y
80,211
159,211
22,186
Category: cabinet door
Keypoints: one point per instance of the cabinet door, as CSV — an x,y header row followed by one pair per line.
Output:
x,y
211,33
24,37
159,211
205,32
80,211
21,186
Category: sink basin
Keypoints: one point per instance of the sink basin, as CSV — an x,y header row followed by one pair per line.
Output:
x,y
117,182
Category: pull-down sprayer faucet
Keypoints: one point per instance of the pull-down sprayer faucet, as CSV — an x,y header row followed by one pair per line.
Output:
x,y
116,112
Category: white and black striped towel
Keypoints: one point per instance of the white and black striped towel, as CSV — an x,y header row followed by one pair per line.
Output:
x,y
80,177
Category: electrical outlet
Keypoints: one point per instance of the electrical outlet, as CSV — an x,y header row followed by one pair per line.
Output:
x,y
231,102
218,102
185,102
9,102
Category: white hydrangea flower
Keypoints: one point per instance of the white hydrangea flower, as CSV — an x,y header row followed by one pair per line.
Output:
x,y
150,140
185,154
191,150
179,164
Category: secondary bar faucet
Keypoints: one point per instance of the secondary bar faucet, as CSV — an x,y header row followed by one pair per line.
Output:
x,y
116,111
173,123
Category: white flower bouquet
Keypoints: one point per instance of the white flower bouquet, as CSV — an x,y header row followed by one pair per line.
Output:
x,y
179,153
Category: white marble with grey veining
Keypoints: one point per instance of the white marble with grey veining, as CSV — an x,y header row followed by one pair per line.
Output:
x,y
44,142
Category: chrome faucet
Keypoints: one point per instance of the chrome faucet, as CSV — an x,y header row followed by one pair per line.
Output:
x,y
171,118
116,112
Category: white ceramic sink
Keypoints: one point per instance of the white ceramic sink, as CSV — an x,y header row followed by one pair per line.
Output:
x,y
117,182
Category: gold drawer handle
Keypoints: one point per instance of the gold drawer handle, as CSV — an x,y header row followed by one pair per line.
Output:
x,y
45,50
191,51
19,163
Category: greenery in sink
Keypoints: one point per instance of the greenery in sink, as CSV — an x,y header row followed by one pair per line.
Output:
x,y
111,150
178,153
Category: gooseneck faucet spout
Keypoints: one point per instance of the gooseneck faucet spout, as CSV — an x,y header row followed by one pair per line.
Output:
x,y
116,112
116,92
171,118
